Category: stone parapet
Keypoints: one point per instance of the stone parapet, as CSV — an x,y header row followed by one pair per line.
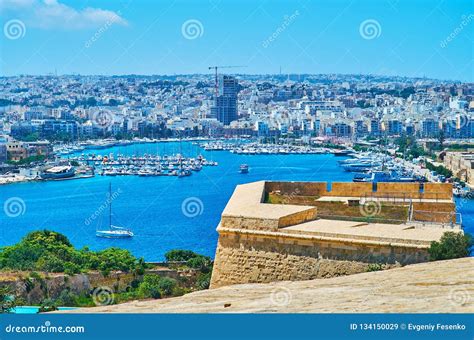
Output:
x,y
262,242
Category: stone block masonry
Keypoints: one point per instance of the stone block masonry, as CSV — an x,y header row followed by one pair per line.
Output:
x,y
261,243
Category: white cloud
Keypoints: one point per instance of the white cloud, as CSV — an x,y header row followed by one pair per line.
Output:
x,y
51,14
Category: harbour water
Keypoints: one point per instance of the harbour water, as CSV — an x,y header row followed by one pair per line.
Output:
x,y
164,212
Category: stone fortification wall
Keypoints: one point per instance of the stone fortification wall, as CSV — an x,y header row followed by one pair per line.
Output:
x,y
245,257
391,190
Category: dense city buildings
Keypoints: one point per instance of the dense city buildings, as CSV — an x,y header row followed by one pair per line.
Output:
x,y
334,108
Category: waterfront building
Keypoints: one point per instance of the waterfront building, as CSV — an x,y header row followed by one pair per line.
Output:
x,y
225,105
375,127
341,129
22,129
462,165
361,128
41,147
17,150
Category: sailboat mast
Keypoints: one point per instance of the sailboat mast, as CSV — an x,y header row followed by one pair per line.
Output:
x,y
110,205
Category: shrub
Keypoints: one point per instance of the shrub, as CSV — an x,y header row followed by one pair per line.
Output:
x,y
156,286
166,286
200,262
7,300
67,298
203,281
71,268
452,245
20,256
150,286
36,276
48,305
50,263
179,255
117,259
141,266
373,267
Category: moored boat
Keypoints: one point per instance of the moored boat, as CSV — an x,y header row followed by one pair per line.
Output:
x,y
58,172
113,231
244,169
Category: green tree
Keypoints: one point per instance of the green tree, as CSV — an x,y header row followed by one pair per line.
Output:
x,y
149,288
200,262
50,251
179,255
204,280
67,298
48,305
7,300
452,245
155,286
50,263
166,286
71,268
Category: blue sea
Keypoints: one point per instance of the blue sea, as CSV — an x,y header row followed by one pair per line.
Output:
x,y
164,212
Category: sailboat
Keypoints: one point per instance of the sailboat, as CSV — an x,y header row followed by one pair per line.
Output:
x,y
113,231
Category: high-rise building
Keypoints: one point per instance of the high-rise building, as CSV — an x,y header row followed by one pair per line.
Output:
x,y
225,105
430,127
394,127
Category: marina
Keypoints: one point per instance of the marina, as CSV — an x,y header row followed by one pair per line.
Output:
x,y
146,165
378,167
254,148
158,208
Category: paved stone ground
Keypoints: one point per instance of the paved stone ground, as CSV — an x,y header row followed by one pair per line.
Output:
x,y
436,287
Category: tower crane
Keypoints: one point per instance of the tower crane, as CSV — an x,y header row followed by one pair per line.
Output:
x,y
217,67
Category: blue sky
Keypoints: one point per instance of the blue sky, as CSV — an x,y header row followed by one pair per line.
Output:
x,y
392,37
